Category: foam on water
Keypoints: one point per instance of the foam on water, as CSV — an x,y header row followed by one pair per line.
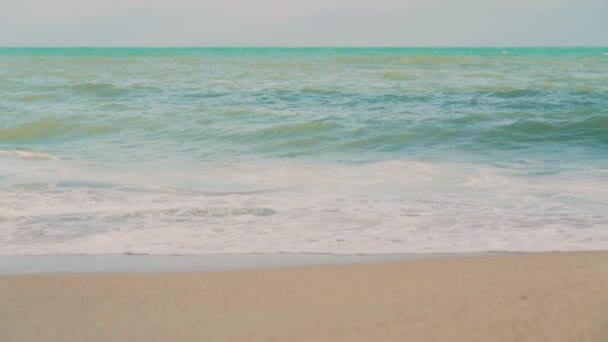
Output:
x,y
31,155
272,207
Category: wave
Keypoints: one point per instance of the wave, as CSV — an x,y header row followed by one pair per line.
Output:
x,y
28,155
403,60
37,97
384,142
474,130
100,89
397,75
428,59
291,130
47,128
318,91
392,134
460,96
594,129
190,212
41,128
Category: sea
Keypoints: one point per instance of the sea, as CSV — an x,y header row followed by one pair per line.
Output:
x,y
181,151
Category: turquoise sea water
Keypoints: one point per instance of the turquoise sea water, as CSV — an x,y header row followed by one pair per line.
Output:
x,y
367,150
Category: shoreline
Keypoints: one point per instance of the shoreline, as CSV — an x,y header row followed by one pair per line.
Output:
x,y
128,263
560,296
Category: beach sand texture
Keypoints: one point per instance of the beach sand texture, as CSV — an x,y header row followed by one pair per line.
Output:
x,y
528,297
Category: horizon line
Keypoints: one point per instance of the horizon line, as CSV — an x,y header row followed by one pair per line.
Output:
x,y
294,47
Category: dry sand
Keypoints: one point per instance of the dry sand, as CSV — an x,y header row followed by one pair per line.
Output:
x,y
532,297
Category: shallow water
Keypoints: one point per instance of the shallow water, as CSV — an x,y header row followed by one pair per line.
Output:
x,y
200,151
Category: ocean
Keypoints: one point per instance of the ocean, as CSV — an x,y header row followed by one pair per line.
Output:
x,y
178,151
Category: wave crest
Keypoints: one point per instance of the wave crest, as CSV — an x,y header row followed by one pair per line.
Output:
x,y
28,155
47,128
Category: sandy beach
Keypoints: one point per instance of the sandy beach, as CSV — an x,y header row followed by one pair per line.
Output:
x,y
527,297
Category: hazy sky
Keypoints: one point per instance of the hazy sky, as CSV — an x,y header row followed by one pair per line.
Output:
x,y
303,22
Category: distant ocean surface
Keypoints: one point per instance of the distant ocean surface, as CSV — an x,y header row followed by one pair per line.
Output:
x,y
312,150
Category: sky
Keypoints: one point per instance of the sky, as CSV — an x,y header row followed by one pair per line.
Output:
x,y
303,22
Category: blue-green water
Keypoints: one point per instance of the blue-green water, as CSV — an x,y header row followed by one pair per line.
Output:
x,y
364,150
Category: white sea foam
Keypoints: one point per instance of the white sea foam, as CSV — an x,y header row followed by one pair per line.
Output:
x,y
264,207
28,155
